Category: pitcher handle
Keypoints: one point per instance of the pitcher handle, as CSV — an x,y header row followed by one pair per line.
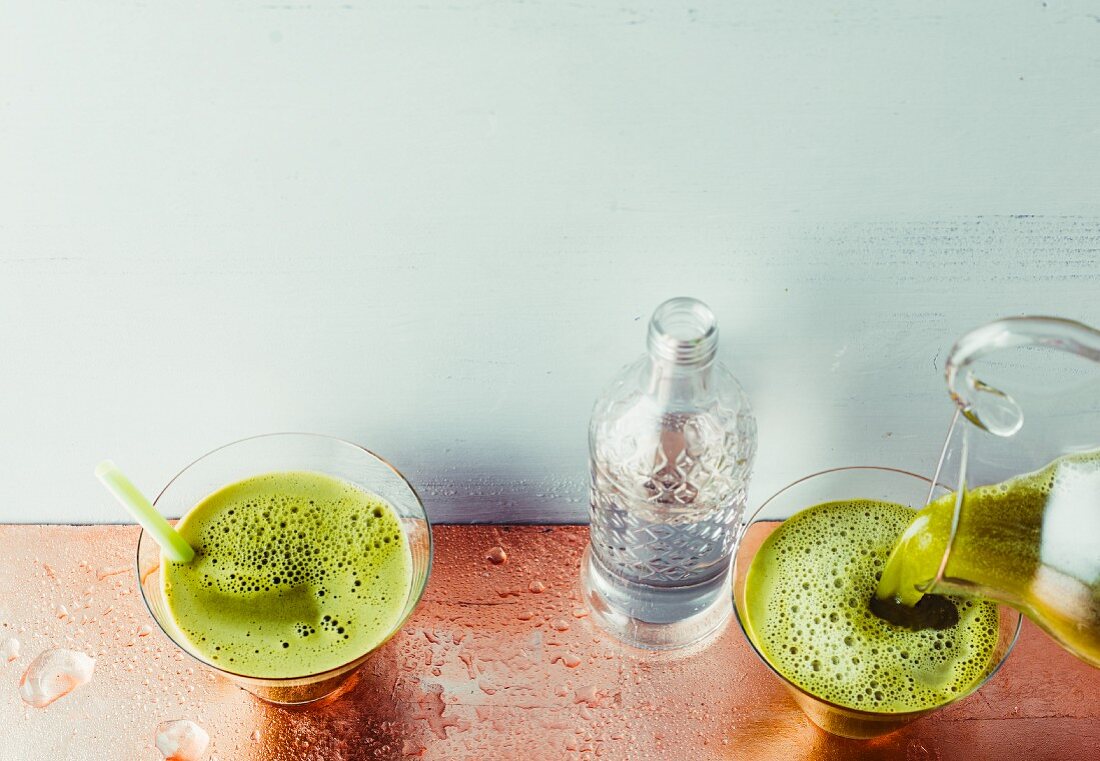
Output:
x,y
1004,417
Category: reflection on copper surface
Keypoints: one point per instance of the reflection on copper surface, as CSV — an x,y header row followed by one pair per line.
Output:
x,y
500,661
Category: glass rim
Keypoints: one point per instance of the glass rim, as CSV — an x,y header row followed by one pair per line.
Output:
x,y
1001,609
413,600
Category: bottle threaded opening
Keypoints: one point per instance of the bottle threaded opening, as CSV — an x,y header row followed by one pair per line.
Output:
x,y
684,331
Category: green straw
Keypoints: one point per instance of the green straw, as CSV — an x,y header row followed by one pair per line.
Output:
x,y
144,513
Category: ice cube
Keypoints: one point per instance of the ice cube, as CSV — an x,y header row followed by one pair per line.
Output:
x,y
181,740
54,674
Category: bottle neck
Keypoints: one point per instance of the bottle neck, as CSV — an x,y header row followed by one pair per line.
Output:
x,y
673,385
683,343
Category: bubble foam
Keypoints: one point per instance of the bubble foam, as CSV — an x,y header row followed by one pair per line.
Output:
x,y
294,573
807,608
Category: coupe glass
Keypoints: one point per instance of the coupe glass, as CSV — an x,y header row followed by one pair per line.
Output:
x,y
274,453
841,484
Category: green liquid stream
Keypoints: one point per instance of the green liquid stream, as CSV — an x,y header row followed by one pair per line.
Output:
x,y
1032,542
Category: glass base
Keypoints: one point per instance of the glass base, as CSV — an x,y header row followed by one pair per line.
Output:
x,y
298,692
654,618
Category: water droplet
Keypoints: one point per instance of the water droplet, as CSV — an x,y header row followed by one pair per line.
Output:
x,y
54,674
144,630
580,612
559,625
525,615
586,695
496,555
413,748
255,736
106,571
9,651
468,658
536,587
431,708
569,660
181,740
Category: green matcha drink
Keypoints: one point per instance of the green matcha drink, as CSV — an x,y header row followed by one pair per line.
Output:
x,y
807,610
294,573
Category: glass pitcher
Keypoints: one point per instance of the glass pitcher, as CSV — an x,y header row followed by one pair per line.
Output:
x,y
1023,454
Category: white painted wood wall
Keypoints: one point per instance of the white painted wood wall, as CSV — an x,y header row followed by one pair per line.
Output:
x,y
438,228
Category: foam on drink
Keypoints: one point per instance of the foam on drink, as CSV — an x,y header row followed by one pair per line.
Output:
x,y
295,573
807,611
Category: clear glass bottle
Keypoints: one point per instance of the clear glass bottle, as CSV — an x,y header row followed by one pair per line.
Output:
x,y
671,446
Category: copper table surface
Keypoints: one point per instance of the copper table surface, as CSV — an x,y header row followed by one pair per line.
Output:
x,y
500,661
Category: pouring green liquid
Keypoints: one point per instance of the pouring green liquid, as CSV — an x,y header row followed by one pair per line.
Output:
x,y
294,574
807,611
1032,542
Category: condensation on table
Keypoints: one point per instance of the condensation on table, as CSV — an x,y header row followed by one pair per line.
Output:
x,y
500,661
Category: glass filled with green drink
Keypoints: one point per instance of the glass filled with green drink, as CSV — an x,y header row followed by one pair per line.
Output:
x,y
804,577
310,553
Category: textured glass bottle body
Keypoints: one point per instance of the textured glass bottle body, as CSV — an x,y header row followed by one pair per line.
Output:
x,y
671,445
